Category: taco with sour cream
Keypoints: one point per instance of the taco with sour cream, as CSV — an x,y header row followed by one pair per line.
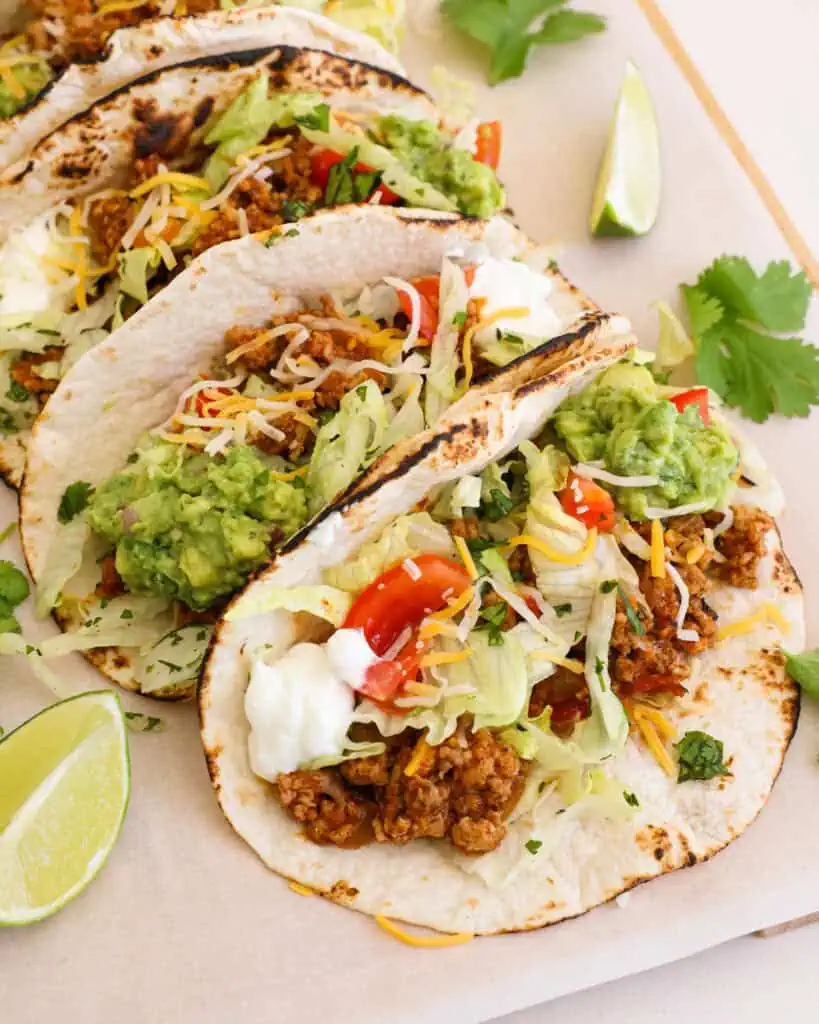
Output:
x,y
61,56
529,661
116,204
176,456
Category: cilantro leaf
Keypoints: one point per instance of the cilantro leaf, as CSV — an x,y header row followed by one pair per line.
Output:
x,y
778,299
700,757
14,588
631,798
74,500
533,845
732,310
295,209
804,669
493,617
510,28
496,506
318,119
345,184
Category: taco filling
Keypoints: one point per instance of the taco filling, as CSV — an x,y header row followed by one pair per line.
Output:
x,y
59,33
266,437
488,653
80,270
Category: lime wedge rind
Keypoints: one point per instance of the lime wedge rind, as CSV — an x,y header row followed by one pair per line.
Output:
x,y
627,194
58,839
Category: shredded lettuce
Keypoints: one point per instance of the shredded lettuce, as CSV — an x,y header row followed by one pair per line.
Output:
x,y
443,354
352,751
346,444
175,660
247,121
409,419
63,559
325,602
405,537
136,267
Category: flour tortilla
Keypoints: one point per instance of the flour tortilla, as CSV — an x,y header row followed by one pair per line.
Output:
x,y
136,51
739,693
131,382
93,151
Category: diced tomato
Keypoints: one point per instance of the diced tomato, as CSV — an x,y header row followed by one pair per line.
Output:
x,y
396,602
696,396
567,712
323,159
488,148
656,684
532,605
469,275
204,406
427,288
587,501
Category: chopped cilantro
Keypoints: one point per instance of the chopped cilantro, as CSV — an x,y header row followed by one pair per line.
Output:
x,y
346,185
700,757
459,319
533,845
497,506
295,209
17,393
511,28
14,589
737,319
563,609
607,586
9,530
630,798
138,722
632,616
318,119
494,616
126,613
7,422
74,500
169,665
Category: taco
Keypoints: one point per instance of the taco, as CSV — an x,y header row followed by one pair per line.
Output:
x,y
67,55
530,661
177,455
117,202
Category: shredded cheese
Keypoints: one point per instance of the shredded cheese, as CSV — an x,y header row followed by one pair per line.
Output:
x,y
169,178
570,664
563,557
423,941
418,755
695,554
766,613
654,715
432,629
652,740
120,5
514,312
446,658
657,550
466,557
302,890
289,476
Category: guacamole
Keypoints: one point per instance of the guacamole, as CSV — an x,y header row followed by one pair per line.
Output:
x,y
190,527
455,172
31,79
622,421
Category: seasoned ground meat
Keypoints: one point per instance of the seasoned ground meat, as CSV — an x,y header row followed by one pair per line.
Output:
x,y
684,535
263,201
463,789
111,584
743,545
108,220
663,601
329,810
520,565
565,693
469,528
24,371
298,439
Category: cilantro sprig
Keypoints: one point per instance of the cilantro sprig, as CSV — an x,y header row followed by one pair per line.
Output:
x,y
14,589
512,28
738,319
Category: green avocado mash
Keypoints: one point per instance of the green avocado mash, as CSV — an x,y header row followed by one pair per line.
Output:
x,y
191,527
426,153
32,78
622,421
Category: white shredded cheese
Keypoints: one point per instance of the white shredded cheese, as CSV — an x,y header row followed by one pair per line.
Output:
x,y
411,569
400,285
141,220
250,168
726,524
689,635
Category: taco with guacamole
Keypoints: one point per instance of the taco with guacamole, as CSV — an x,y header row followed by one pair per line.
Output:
x,y
63,55
176,456
529,661
120,200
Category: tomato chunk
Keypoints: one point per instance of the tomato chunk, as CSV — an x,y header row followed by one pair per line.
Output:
x,y
695,396
205,406
658,683
428,289
396,602
488,148
587,501
322,160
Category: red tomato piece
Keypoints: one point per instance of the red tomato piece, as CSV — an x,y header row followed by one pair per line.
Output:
x,y
428,289
567,712
657,684
204,406
587,501
695,396
396,602
323,159
488,148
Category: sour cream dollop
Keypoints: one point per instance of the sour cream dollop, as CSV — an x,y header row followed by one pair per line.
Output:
x,y
505,284
301,707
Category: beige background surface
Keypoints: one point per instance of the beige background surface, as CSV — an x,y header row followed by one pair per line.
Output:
x,y
184,925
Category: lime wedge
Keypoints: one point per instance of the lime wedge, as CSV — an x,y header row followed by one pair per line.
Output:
x,y
64,784
627,194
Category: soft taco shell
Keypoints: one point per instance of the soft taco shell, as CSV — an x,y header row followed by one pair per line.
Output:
x,y
94,150
739,692
134,52
131,381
